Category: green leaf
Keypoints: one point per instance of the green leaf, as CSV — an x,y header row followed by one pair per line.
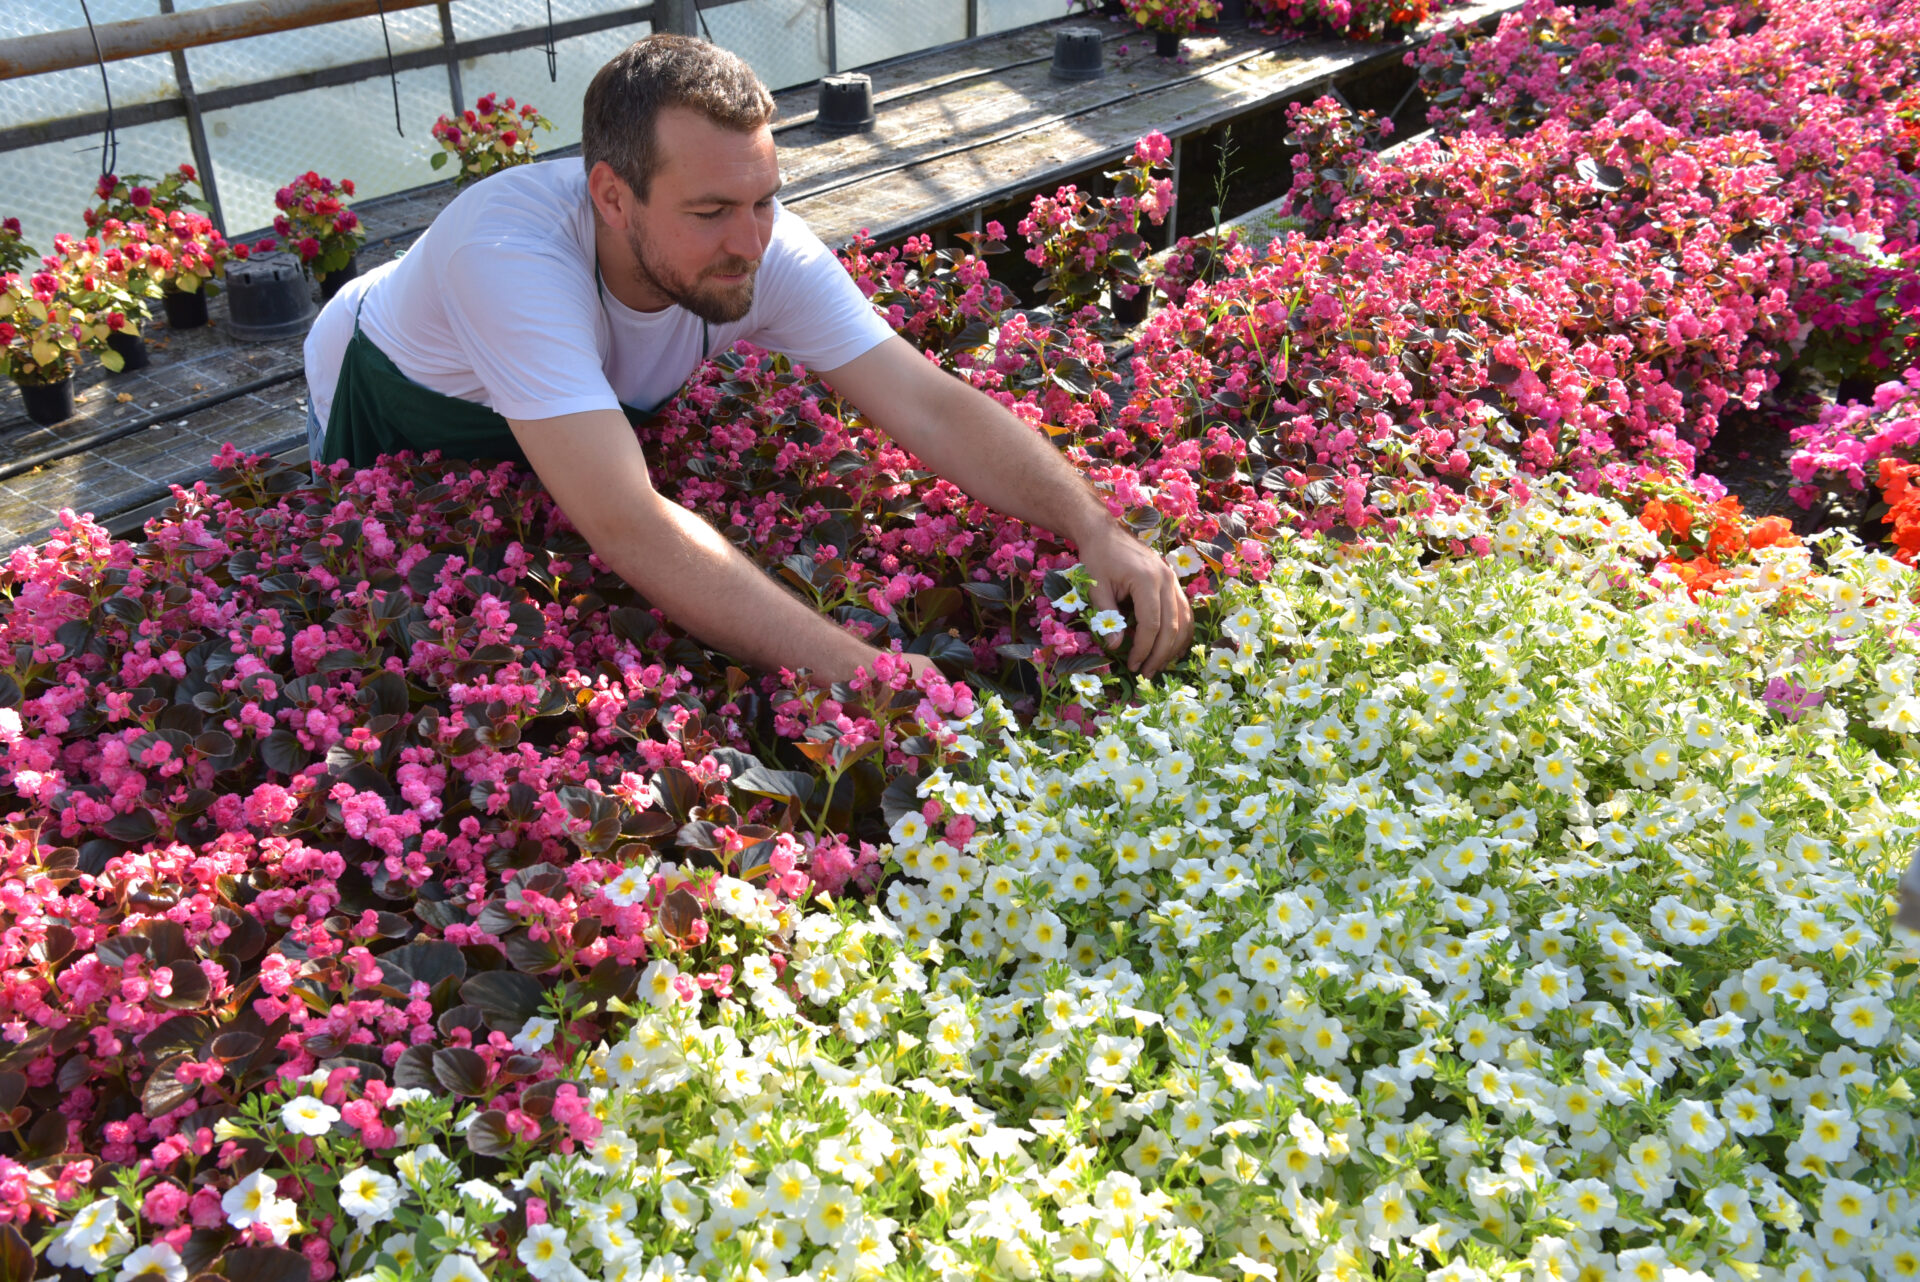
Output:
x,y
438,159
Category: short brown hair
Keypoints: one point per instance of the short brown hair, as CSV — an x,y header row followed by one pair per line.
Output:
x,y
627,95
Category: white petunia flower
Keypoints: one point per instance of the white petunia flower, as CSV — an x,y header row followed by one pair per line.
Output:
x,y
305,1115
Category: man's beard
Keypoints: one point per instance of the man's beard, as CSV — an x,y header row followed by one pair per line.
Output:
x,y
715,305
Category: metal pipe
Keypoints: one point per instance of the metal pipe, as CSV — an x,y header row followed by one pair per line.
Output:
x,y
168,32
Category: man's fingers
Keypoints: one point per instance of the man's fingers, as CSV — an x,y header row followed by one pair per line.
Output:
x,y
1176,633
1103,597
1148,615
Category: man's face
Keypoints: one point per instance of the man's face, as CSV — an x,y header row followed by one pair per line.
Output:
x,y
698,237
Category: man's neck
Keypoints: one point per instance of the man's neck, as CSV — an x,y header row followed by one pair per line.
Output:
x,y
621,271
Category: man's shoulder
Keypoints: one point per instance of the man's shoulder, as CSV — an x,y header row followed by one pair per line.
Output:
x,y
526,207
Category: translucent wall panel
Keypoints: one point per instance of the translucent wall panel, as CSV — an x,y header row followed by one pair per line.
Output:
x,y
47,187
873,30
784,41
1004,15
285,52
473,19
77,90
522,74
345,131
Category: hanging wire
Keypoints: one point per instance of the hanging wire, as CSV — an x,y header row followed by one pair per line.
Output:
x,y
110,140
553,54
703,22
393,77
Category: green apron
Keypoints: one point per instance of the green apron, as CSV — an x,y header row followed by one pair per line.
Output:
x,y
379,410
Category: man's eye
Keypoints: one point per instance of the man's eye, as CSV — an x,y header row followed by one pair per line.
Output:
x,y
709,214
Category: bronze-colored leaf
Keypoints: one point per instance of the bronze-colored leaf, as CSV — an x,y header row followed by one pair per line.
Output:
x,y
17,1263
265,1264
460,1070
679,913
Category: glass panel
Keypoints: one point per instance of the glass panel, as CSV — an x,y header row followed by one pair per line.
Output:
x,y
874,30
344,131
77,90
48,186
1004,15
331,44
471,21
522,74
784,41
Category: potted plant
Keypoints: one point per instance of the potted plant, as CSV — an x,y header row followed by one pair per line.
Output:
x,y
1169,20
1086,246
493,135
111,289
1350,19
184,255
167,213
42,331
15,252
315,224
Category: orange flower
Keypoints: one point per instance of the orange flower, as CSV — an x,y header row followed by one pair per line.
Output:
x,y
1772,531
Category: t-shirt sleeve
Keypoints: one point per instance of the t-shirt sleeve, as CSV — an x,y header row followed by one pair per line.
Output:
x,y
815,313
538,357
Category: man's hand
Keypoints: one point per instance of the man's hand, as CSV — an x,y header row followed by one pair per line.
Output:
x,y
971,440
1125,569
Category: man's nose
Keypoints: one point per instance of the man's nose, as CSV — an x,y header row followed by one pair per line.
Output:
x,y
743,239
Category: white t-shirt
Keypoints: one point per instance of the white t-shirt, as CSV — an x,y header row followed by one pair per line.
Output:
x,y
497,303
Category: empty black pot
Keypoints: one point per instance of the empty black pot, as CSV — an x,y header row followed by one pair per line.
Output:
x,y
846,103
132,348
1077,54
48,403
267,298
184,310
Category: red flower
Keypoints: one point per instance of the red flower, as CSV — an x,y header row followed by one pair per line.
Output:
x,y
509,137
309,248
140,197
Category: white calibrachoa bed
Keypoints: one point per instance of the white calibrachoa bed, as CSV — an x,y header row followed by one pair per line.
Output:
x,y
1470,919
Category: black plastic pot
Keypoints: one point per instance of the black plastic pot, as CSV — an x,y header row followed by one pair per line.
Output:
x,y
846,103
1112,9
1166,44
1233,10
132,348
331,285
184,310
1077,54
1130,311
48,403
268,298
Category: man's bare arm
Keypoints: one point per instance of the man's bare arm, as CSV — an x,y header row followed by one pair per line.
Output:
x,y
973,441
596,472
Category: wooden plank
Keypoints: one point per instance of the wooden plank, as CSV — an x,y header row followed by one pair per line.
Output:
x,y
990,141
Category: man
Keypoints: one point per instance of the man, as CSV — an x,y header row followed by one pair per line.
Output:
x,y
549,301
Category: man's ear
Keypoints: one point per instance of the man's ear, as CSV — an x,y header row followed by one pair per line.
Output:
x,y
612,199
